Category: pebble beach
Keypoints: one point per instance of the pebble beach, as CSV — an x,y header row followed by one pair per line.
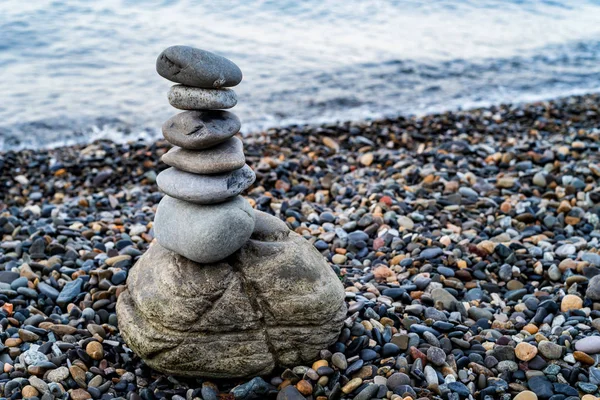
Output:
x,y
467,243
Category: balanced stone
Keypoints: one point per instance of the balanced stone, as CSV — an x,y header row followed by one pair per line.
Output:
x,y
205,189
191,98
195,67
224,157
197,130
274,303
203,233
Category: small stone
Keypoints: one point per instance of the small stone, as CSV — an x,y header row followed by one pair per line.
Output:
x,y
48,290
506,182
443,296
59,374
338,259
367,393
69,292
397,379
526,395
256,388
436,356
28,336
331,143
539,179
459,388
583,358
195,67
78,376
79,394
430,253
405,222
191,98
525,351
588,345
541,386
8,276
304,387
549,350
366,159
287,393
593,290
352,385
205,189
203,233
38,383
554,273
566,250
571,302
339,361
29,391
94,349
507,366
224,157
34,357
592,258
13,342
62,329
430,376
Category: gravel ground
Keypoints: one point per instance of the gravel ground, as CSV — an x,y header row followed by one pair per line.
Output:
x,y
467,242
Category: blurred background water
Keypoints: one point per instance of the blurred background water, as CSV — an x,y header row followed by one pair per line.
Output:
x,y
77,71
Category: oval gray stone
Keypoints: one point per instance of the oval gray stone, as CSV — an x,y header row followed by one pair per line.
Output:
x,y
588,345
274,303
203,233
197,130
224,157
205,189
195,67
191,98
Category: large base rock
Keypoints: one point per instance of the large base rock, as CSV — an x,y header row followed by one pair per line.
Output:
x,y
274,302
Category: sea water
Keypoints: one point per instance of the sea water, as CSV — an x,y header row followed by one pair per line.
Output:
x,y
74,71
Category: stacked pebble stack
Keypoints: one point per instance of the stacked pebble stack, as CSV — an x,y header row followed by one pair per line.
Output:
x,y
205,301
203,217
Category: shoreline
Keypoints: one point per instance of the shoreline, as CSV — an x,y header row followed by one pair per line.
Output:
x,y
499,206
144,134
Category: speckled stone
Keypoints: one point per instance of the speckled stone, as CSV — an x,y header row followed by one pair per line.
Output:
x,y
191,98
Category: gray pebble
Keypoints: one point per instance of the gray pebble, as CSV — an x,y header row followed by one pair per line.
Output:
x,y
196,67
190,98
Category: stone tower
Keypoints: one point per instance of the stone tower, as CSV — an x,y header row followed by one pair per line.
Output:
x,y
226,291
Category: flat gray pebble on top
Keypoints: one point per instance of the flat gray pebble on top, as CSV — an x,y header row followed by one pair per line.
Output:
x,y
199,68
